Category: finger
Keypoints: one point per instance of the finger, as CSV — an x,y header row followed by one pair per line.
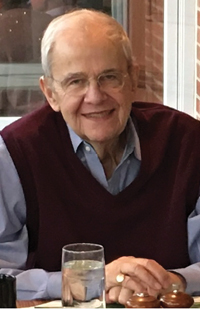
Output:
x,y
121,266
161,274
147,271
141,274
133,284
108,300
113,293
153,292
143,288
113,269
124,295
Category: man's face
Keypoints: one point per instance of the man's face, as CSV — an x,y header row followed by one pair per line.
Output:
x,y
97,115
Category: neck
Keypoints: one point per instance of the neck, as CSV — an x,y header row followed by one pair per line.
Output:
x,y
110,153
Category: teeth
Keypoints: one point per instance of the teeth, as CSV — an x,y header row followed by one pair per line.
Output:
x,y
98,115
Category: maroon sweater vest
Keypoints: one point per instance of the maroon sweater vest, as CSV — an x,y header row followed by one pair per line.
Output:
x,y
65,204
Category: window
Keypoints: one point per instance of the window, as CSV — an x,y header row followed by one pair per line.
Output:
x,y
163,40
22,24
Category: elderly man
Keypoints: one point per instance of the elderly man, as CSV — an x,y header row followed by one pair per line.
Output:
x,y
90,166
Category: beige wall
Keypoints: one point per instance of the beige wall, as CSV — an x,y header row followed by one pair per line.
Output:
x,y
146,34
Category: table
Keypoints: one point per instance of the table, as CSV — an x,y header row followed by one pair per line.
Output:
x,y
33,303
30,303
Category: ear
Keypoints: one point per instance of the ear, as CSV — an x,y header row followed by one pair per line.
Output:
x,y
49,93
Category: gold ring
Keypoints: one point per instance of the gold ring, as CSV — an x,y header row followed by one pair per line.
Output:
x,y
120,278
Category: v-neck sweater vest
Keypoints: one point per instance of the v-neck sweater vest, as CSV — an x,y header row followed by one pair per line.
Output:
x,y
65,204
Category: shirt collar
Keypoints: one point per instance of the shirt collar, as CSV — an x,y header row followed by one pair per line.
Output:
x,y
133,142
134,139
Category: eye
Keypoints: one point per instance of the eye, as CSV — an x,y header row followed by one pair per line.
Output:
x,y
77,82
108,77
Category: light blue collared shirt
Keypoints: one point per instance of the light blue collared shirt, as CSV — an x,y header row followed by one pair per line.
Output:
x,y
37,283
124,173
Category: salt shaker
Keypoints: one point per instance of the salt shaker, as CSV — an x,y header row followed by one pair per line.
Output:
x,y
7,291
142,300
176,298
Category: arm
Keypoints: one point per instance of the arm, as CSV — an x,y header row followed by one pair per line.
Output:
x,y
140,275
192,277
34,283
143,274
192,272
194,234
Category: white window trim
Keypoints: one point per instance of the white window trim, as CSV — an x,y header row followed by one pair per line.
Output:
x,y
179,55
119,9
4,121
18,76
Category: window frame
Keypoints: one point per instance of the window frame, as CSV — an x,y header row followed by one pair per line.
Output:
x,y
179,55
119,10
179,68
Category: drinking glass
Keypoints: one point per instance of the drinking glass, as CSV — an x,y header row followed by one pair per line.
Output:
x,y
83,273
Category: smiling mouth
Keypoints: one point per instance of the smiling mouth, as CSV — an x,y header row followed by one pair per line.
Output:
x,y
99,114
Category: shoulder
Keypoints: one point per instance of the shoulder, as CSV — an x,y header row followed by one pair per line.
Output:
x,y
28,125
8,173
35,132
158,114
156,108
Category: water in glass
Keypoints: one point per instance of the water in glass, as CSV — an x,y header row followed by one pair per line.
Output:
x,y
83,284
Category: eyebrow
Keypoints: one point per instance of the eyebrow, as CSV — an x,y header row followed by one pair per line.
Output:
x,y
110,71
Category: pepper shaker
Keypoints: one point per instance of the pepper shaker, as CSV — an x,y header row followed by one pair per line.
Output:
x,y
7,291
142,300
176,299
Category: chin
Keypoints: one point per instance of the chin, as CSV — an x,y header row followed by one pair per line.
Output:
x,y
101,134
100,138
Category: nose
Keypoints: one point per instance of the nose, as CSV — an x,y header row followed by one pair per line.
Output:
x,y
94,94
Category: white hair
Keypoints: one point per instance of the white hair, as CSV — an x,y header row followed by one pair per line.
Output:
x,y
92,21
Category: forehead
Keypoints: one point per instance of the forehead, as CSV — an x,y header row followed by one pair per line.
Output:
x,y
86,53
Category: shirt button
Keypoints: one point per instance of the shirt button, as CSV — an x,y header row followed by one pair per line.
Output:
x,y
87,148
